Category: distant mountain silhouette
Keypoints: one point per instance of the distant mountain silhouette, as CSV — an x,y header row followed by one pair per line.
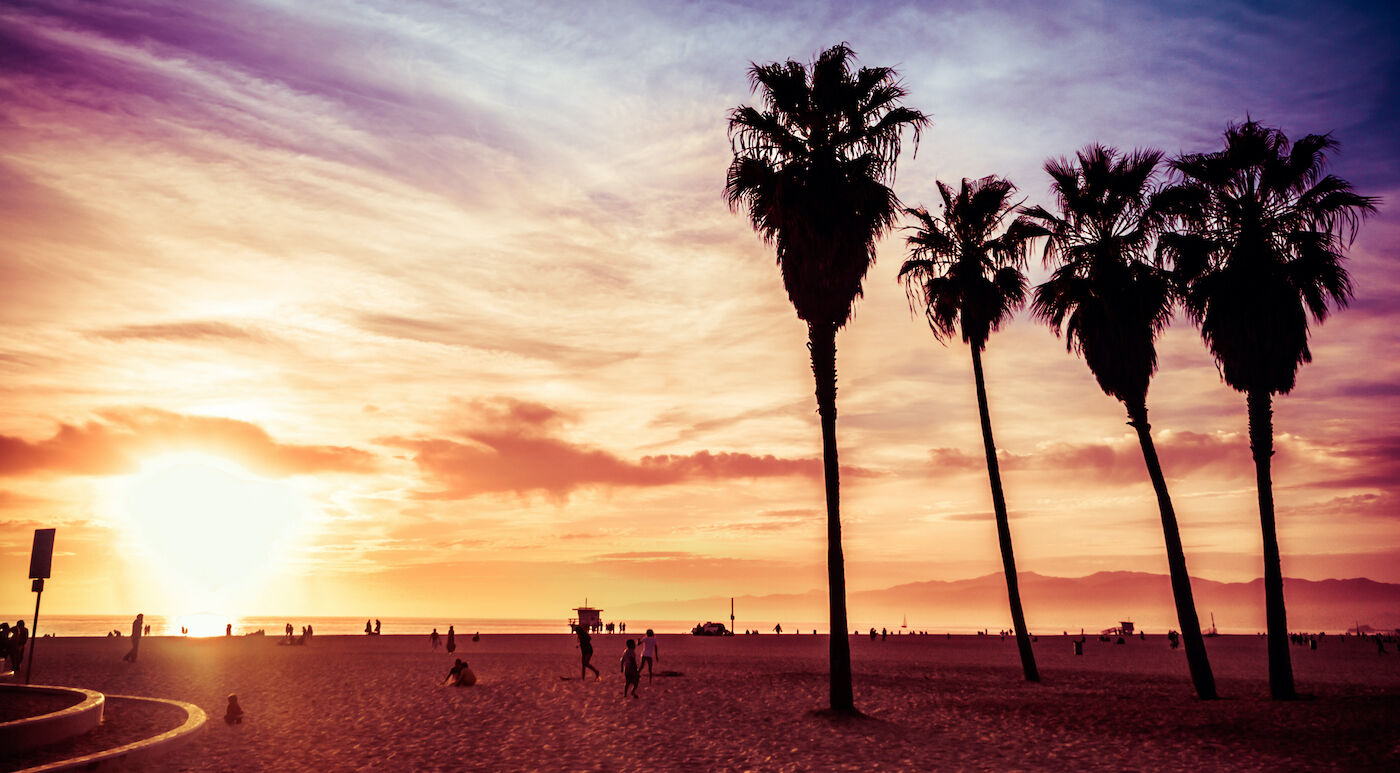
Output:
x,y
1055,604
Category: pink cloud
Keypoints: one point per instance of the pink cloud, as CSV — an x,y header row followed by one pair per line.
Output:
x,y
515,450
118,442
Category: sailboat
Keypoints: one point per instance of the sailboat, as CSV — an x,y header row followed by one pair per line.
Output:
x,y
1212,631
905,624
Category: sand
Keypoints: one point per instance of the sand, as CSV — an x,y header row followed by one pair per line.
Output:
x,y
747,703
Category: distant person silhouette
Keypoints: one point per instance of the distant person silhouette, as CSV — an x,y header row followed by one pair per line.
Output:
x,y
872,634
130,657
451,640
288,629
435,639
376,627
476,636
368,628
228,629
585,648
778,628
234,713
650,652
631,673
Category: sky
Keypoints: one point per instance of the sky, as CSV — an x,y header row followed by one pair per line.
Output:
x,y
413,308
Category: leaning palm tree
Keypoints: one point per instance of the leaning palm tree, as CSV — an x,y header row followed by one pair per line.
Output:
x,y
1261,243
811,167
967,278
1110,300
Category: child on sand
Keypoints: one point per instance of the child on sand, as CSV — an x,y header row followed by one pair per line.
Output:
x,y
631,673
650,652
234,714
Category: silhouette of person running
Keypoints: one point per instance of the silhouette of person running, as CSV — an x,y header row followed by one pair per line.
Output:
x,y
451,640
585,648
130,657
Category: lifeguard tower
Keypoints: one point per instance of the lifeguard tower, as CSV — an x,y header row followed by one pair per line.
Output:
x,y
588,618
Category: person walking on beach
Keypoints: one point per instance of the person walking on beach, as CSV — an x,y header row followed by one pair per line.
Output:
x,y
631,673
368,628
451,640
376,626
435,639
778,628
130,657
585,648
650,652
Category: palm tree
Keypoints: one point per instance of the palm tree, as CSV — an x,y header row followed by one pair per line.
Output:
x,y
966,278
1261,243
1111,301
811,168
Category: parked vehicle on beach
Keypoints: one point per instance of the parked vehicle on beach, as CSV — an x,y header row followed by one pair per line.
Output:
x,y
711,629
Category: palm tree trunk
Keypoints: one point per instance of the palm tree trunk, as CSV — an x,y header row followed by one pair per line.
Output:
x,y
1261,443
1201,674
1008,560
821,341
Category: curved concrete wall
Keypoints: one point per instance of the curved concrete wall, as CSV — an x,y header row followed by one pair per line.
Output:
x,y
32,732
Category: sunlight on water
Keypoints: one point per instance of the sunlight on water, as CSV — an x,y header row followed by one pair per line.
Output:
x,y
199,624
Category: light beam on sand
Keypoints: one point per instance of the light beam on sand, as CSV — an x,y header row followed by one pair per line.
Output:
x,y
209,530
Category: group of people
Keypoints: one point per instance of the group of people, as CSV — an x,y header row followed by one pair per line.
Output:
x,y
12,641
629,664
291,638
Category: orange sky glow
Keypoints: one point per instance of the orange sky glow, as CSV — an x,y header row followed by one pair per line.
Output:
x,y
392,309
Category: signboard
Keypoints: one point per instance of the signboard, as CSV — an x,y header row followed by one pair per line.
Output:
x,y
41,557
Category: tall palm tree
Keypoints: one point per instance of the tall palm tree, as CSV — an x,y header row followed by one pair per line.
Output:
x,y
811,167
1111,301
1262,239
966,278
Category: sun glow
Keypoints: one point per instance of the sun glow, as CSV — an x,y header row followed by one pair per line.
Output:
x,y
209,529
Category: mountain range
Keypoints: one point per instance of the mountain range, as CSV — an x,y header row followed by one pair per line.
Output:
x,y
1055,604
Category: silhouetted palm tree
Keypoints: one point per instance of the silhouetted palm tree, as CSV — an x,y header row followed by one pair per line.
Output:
x,y
1262,241
811,168
964,277
1111,301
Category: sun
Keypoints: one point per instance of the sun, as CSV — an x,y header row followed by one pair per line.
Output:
x,y
208,526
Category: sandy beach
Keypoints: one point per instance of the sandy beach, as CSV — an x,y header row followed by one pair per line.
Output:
x,y
746,703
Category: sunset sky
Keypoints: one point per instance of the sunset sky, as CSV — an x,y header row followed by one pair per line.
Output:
x,y
399,308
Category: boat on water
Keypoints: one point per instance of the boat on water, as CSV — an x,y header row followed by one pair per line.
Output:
x,y
1211,631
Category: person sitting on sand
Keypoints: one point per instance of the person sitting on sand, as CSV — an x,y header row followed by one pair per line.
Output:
x,y
631,673
650,652
585,648
461,675
234,714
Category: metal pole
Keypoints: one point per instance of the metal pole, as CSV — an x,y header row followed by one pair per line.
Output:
x,y
34,632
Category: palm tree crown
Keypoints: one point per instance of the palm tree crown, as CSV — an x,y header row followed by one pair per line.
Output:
x,y
812,168
1260,247
964,275
1106,295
